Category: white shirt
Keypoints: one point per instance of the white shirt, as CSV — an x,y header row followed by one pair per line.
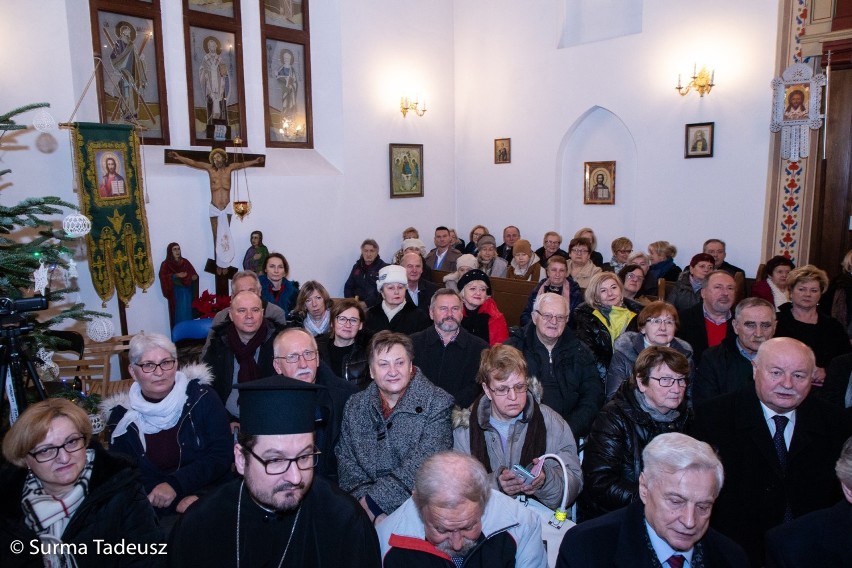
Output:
x,y
788,431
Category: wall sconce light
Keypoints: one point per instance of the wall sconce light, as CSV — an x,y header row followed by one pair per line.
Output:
x,y
407,104
702,81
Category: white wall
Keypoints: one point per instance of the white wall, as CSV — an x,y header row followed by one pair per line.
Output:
x,y
315,206
512,81
489,69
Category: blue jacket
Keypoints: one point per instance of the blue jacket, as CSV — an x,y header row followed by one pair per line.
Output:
x,y
287,298
206,444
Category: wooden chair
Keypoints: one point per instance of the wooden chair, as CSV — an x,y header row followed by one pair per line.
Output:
x,y
91,370
739,280
664,288
105,350
107,388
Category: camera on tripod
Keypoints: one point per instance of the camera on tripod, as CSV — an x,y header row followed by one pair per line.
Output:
x,y
14,360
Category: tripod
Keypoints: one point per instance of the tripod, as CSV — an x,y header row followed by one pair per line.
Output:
x,y
14,360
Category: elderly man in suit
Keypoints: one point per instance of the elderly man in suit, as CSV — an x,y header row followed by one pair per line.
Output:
x,y
778,446
670,527
821,538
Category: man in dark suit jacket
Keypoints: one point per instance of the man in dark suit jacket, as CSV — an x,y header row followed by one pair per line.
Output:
x,y
727,367
778,446
680,480
419,290
708,323
819,539
511,234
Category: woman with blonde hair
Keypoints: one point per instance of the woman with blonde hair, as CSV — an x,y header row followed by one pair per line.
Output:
x,y
661,255
62,491
475,234
604,316
800,319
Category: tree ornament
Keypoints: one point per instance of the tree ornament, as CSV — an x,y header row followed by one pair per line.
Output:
x,y
41,278
76,225
44,122
45,362
72,268
100,329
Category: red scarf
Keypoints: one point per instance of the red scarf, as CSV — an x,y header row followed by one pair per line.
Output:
x,y
244,352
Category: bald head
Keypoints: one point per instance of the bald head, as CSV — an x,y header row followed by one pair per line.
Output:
x,y
412,262
300,346
783,371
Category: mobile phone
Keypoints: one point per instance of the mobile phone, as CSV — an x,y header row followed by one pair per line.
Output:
x,y
521,471
535,470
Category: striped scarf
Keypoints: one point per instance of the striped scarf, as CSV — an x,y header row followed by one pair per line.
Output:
x,y
48,515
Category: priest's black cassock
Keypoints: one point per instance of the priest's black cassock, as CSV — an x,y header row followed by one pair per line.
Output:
x,y
332,530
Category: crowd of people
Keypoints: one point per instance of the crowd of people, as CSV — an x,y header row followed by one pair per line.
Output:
x,y
411,424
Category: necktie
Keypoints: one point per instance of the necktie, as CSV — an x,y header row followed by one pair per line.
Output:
x,y
778,439
676,560
781,450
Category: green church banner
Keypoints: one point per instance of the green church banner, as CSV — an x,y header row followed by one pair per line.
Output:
x,y
110,181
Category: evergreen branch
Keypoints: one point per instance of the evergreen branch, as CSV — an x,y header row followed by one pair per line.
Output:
x,y
6,122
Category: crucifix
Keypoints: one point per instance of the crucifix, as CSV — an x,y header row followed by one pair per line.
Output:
x,y
220,166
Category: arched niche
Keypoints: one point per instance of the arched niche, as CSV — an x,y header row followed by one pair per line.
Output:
x,y
598,135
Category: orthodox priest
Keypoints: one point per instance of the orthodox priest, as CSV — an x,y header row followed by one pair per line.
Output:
x,y
279,513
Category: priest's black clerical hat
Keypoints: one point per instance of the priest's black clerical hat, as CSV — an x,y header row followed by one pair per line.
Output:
x,y
278,405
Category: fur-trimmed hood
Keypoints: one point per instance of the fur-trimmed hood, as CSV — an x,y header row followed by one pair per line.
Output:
x,y
196,371
461,416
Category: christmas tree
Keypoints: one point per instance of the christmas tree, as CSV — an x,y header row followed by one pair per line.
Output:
x,y
22,253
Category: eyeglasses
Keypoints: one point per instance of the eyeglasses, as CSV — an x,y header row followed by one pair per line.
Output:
x,y
666,382
278,466
637,277
50,452
660,321
580,251
503,390
294,357
150,367
343,320
552,317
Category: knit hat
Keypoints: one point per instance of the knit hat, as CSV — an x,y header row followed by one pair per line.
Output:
x,y
414,243
702,257
522,245
467,261
486,239
391,274
473,275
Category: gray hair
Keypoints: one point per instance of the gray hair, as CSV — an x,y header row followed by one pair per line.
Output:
x,y
447,479
282,337
542,298
443,292
246,274
143,342
753,302
674,452
844,464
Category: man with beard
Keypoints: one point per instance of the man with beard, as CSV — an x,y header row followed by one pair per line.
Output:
x,y
447,353
295,355
454,518
279,513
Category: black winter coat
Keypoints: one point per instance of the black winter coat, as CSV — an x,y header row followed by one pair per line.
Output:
x,y
353,367
613,459
362,279
408,320
572,366
221,360
592,332
723,369
116,508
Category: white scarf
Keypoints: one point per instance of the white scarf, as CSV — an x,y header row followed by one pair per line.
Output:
x,y
778,296
48,516
314,328
153,417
